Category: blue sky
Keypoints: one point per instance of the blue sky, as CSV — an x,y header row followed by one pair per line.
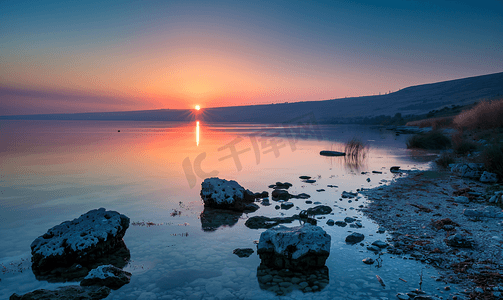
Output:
x,y
175,54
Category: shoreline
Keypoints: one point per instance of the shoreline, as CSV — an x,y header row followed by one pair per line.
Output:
x,y
421,215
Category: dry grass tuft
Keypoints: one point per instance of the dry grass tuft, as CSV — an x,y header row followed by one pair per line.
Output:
x,y
485,115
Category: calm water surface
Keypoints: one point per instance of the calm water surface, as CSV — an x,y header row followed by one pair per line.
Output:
x,y
53,171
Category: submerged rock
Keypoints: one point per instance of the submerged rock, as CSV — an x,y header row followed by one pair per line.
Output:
x,y
380,244
341,223
228,194
108,276
257,222
65,293
302,247
282,282
280,195
70,249
286,205
349,220
332,153
170,278
281,185
354,238
395,169
243,252
348,194
368,261
285,195
319,210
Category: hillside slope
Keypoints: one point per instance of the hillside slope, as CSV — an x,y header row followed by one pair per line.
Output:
x,y
414,100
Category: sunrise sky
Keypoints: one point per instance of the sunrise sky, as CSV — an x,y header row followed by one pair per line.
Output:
x,y
89,56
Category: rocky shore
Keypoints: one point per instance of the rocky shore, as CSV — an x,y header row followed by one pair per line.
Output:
x,y
447,221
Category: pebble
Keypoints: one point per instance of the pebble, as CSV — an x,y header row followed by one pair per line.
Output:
x,y
402,296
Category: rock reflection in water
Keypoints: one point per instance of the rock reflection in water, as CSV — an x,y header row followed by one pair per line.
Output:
x,y
284,281
118,257
213,218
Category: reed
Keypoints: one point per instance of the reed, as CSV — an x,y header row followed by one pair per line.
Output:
x,y
355,148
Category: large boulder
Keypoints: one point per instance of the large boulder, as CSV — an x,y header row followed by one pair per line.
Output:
x,y
108,276
228,194
68,250
300,248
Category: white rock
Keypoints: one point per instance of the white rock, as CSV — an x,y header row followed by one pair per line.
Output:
x,y
81,233
467,170
461,199
294,246
488,177
221,191
80,241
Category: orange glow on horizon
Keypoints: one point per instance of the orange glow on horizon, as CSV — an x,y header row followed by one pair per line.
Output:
x,y
197,107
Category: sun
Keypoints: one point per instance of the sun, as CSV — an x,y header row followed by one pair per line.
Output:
x,y
197,107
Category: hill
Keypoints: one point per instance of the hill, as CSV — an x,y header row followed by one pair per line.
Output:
x,y
414,100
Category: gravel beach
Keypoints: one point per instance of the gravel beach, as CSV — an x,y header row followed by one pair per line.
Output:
x,y
436,217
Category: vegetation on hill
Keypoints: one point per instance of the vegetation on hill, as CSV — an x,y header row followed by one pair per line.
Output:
x,y
478,136
485,115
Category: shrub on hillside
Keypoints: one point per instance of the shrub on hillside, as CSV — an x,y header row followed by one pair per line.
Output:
x,y
445,160
461,145
485,115
464,147
492,157
433,140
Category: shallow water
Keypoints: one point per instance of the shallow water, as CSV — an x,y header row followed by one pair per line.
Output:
x,y
56,171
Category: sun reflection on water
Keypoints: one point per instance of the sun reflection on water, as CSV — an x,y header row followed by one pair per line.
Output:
x,y
197,133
